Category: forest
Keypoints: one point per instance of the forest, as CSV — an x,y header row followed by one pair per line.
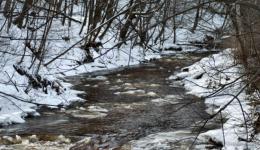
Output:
x,y
129,74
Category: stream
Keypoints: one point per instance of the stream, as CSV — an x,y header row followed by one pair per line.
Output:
x,y
122,106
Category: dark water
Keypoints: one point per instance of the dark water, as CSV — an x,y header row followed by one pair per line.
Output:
x,y
128,116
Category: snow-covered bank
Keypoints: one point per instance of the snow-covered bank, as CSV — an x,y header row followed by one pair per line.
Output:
x,y
219,79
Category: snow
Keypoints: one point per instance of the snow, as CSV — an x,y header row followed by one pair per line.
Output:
x,y
208,76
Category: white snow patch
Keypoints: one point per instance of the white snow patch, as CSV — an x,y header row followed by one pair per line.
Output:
x,y
208,75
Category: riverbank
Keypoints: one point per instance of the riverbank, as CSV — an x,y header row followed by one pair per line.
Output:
x,y
220,81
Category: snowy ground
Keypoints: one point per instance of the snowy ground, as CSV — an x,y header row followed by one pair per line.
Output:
x,y
218,79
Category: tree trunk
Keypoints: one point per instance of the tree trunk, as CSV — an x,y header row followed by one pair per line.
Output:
x,y
26,7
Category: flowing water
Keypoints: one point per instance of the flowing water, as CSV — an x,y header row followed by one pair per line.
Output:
x,y
121,106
